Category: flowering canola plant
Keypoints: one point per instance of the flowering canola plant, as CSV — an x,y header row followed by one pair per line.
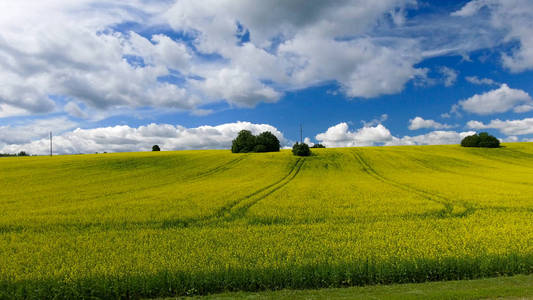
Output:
x,y
196,222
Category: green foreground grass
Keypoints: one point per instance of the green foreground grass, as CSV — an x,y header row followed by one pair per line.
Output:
x,y
131,225
515,287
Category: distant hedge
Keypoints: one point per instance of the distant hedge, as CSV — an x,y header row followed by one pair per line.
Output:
x,y
482,139
247,142
7,154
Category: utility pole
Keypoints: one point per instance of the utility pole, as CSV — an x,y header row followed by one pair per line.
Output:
x,y
51,143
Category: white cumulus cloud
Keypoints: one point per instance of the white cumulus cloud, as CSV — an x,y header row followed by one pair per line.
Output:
x,y
68,48
125,138
75,49
238,87
438,137
508,127
419,123
341,136
499,100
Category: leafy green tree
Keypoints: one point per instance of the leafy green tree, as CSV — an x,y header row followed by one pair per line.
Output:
x,y
470,141
23,153
156,148
301,149
244,143
247,142
482,139
269,141
260,148
488,141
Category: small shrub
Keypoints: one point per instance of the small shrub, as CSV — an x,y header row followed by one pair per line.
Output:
x,y
482,139
156,148
301,149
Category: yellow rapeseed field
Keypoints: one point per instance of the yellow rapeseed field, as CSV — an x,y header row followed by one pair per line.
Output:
x,y
195,222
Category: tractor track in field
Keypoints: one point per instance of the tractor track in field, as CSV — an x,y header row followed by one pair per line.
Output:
x,y
230,212
439,169
239,207
236,209
219,169
505,161
448,203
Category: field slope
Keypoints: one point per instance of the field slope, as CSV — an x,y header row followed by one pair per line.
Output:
x,y
197,222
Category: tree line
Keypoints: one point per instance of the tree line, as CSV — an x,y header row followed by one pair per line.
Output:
x,y
21,153
246,142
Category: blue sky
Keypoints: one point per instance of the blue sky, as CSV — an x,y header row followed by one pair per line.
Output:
x,y
190,74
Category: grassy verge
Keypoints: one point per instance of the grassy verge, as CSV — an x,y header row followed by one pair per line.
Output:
x,y
515,287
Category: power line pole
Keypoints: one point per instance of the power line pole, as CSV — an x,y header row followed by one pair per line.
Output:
x,y
51,143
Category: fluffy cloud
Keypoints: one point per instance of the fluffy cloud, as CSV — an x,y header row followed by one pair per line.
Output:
x,y
515,17
238,87
479,81
125,138
433,138
302,43
499,100
77,50
7,110
508,127
86,52
450,76
64,48
25,133
419,123
341,136
308,141
358,65
159,50
215,20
